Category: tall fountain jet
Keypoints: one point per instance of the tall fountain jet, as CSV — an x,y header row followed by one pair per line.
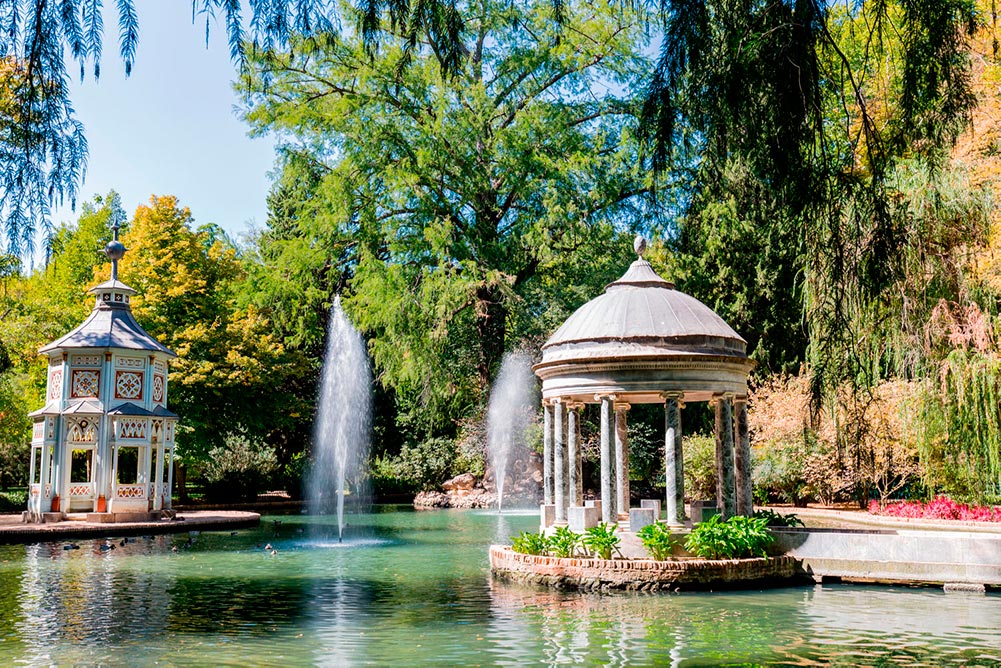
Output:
x,y
344,415
509,414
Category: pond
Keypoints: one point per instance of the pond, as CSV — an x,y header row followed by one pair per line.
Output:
x,y
413,588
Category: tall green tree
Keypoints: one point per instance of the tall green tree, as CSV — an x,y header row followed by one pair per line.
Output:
x,y
453,193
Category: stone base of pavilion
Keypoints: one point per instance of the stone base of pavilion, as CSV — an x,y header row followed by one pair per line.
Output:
x,y
83,525
642,574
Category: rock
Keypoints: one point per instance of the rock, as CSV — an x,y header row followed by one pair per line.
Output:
x,y
464,482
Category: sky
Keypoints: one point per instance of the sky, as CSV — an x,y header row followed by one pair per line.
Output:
x,y
171,127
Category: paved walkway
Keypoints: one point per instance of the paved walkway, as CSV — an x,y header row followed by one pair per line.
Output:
x,y
13,531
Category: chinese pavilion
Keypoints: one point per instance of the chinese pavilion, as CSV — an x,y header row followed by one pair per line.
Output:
x,y
104,441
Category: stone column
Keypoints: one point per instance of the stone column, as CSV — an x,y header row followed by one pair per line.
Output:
x,y
576,484
742,458
559,464
621,461
674,463
157,448
724,454
547,453
608,514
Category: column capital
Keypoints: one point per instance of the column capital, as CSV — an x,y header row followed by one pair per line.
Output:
x,y
721,396
622,405
601,397
675,395
574,405
740,399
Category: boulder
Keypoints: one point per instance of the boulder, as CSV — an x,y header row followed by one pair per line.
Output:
x,y
463,482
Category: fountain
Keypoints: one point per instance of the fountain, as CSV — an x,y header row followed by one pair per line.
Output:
x,y
509,414
341,435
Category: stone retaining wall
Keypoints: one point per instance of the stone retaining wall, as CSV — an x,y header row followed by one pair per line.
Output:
x,y
640,574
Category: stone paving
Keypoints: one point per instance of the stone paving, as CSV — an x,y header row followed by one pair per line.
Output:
x,y
12,530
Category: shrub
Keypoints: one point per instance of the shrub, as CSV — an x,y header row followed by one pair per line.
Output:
x,y
700,466
601,540
774,519
427,464
238,470
530,543
735,538
564,542
658,541
13,501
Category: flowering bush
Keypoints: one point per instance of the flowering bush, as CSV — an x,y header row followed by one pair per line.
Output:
x,y
939,508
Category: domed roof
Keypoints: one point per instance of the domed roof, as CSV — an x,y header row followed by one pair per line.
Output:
x,y
641,314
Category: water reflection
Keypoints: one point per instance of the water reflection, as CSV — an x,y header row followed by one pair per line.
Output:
x,y
414,589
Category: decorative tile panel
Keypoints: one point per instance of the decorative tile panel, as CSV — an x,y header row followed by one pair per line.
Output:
x,y
38,431
82,489
50,428
128,385
156,430
56,384
131,492
130,363
84,383
160,367
158,382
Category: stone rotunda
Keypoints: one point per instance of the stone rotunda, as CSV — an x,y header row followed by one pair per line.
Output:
x,y
642,342
104,441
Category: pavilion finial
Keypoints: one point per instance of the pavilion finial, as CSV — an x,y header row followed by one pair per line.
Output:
x,y
639,245
115,251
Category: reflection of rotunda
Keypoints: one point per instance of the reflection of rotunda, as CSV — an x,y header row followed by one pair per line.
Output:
x,y
104,442
642,342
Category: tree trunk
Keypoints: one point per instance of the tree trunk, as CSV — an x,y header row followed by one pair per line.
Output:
x,y
181,482
491,321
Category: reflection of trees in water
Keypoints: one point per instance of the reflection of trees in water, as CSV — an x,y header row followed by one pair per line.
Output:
x,y
74,601
849,624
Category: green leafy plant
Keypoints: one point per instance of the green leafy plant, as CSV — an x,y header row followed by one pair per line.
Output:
x,y
658,541
530,543
564,542
774,519
601,540
735,538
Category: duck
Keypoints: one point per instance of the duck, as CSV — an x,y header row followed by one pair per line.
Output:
x,y
71,546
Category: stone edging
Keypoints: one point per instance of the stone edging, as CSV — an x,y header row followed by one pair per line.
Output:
x,y
640,574
202,521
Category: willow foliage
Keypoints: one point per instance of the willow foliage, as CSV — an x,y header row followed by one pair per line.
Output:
x,y
960,444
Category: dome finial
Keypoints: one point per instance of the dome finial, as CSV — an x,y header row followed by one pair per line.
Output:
x,y
639,245
115,251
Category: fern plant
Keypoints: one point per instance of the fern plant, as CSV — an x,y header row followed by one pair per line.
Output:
x,y
657,540
602,541
530,543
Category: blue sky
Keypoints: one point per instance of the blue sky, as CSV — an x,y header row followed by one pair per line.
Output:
x,y
171,128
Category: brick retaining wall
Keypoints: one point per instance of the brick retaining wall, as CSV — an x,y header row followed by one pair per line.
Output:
x,y
640,574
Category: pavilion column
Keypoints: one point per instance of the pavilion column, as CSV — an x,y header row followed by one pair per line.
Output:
x,y
575,495
608,514
742,458
724,454
559,464
674,463
547,453
45,504
621,461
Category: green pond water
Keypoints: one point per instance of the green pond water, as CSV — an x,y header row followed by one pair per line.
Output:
x,y
413,588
